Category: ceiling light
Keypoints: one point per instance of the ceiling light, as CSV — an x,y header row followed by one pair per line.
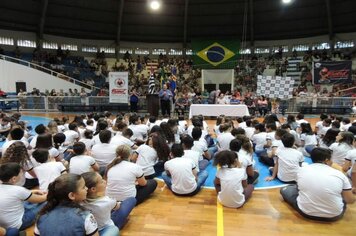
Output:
x,y
155,5
286,1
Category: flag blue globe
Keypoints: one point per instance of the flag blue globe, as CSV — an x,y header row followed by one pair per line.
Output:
x,y
215,54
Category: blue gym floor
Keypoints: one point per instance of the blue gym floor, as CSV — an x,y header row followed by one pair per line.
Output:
x,y
262,169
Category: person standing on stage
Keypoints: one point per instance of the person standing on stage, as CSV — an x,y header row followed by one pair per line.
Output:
x,y
165,96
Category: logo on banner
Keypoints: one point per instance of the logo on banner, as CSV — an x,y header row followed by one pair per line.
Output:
x,y
215,54
120,83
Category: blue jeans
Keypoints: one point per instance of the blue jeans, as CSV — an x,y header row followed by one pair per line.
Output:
x,y
12,232
30,214
202,176
110,230
203,164
120,216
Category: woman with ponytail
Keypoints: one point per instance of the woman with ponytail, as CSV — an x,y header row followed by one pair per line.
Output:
x,y
63,214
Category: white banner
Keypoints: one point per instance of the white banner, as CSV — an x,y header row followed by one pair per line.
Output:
x,y
118,87
275,86
218,77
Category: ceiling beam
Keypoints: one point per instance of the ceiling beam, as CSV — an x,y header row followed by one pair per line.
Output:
x,y
252,29
330,20
42,19
119,26
185,26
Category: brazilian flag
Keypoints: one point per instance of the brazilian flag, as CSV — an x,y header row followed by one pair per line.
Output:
x,y
214,54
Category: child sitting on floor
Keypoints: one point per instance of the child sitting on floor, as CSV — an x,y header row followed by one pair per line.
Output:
x,y
230,181
109,213
181,175
48,170
16,210
287,162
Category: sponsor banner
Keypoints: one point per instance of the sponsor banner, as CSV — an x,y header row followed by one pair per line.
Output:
x,y
118,87
333,72
275,86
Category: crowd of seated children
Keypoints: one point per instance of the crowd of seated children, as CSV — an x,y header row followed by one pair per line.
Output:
x,y
129,158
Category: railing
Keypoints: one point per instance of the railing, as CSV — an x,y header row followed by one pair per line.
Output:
x,y
293,105
48,71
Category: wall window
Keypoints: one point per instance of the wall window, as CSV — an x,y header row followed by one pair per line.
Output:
x,y
107,50
48,45
142,51
26,43
158,51
245,51
321,46
89,49
6,41
301,47
175,52
261,50
70,47
344,44
189,52
275,49
124,50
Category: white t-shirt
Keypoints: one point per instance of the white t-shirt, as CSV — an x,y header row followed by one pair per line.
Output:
x,y
216,129
325,129
339,152
242,125
182,127
81,132
88,143
81,164
139,131
194,156
345,127
34,141
103,153
320,126
320,188
48,172
301,121
249,132
271,135
309,139
11,205
183,179
245,160
95,140
53,152
231,194
121,180
147,158
351,156
101,209
121,140
201,147
71,137
224,140
259,140
288,163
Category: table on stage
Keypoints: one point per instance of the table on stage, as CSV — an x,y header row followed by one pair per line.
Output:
x,y
217,109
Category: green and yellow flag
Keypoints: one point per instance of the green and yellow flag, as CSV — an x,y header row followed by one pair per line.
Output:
x,y
215,54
